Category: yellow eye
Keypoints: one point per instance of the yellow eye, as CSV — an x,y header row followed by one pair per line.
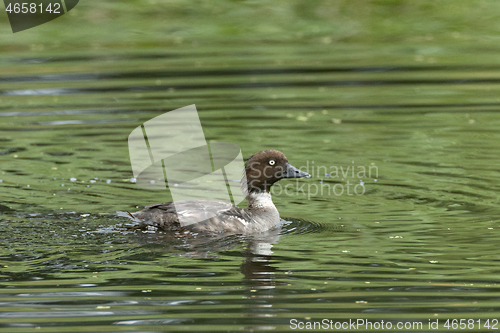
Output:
x,y
271,162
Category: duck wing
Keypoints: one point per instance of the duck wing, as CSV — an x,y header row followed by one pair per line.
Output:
x,y
197,215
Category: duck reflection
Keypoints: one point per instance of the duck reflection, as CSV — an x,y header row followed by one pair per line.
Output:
x,y
256,253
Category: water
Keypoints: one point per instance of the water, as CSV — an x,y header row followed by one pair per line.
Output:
x,y
415,108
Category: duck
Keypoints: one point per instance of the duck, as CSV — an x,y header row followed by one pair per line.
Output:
x,y
262,170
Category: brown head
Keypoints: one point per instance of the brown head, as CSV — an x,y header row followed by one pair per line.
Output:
x,y
266,167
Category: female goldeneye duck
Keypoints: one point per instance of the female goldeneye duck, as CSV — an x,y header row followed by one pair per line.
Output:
x,y
262,170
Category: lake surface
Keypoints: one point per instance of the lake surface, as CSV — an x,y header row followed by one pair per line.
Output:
x,y
412,240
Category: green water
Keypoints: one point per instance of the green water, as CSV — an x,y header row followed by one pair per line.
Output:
x,y
406,90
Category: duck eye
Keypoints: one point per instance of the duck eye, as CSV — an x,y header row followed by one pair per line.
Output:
x,y
271,162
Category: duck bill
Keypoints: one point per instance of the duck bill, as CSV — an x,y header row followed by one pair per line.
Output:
x,y
293,172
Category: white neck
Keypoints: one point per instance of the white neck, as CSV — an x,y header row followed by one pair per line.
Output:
x,y
260,200
262,210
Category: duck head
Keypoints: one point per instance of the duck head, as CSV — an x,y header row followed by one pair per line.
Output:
x,y
266,167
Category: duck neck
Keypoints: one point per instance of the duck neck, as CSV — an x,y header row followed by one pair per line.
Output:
x,y
260,200
262,210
